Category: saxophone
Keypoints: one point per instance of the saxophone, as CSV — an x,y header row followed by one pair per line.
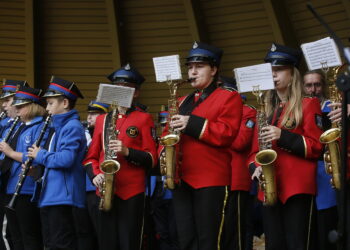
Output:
x,y
168,160
330,137
109,166
266,155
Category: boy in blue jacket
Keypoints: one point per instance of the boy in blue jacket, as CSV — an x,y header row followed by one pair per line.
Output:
x,y
63,182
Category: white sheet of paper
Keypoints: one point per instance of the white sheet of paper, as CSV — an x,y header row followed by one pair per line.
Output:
x,y
122,95
320,51
260,74
167,66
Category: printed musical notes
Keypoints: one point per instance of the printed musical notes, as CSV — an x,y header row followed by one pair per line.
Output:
x,y
247,77
321,52
167,66
122,95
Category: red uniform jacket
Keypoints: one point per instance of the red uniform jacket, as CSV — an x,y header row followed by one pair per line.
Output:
x,y
241,148
205,143
297,152
136,133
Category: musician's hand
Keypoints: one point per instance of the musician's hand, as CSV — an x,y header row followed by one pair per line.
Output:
x,y
270,133
257,173
179,122
335,114
98,180
5,148
33,151
118,147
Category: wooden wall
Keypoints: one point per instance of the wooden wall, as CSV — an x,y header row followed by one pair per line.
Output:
x,y
85,40
13,54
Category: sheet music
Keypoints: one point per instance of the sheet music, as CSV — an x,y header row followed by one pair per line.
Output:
x,y
167,66
321,51
122,95
260,74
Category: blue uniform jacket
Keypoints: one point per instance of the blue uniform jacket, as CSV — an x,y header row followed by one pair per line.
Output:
x,y
63,182
28,136
5,131
3,124
89,186
326,195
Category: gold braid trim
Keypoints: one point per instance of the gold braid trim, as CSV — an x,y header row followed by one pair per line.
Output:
x,y
143,220
222,218
239,221
309,228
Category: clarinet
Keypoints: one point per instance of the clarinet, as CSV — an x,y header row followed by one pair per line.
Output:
x,y
2,115
27,164
9,133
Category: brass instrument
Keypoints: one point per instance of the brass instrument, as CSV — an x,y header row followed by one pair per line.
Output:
x,y
109,166
266,156
330,137
168,160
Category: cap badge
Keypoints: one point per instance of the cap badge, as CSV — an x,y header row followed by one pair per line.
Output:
x,y
127,67
273,47
195,45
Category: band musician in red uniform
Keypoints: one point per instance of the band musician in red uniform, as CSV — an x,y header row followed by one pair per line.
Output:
x,y
294,129
209,119
121,227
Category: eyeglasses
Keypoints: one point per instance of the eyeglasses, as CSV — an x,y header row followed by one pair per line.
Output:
x,y
310,85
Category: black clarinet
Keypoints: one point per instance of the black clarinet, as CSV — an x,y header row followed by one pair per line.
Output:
x,y
9,133
2,115
27,164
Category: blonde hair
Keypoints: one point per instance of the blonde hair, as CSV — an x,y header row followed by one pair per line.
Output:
x,y
294,111
34,111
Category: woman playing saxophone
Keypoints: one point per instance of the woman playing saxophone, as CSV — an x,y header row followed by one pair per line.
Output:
x,y
295,126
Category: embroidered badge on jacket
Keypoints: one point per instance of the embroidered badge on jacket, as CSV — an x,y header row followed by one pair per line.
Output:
x,y
290,124
132,131
250,124
318,121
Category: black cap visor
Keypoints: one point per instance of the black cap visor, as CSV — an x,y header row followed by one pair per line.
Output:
x,y
7,94
204,59
52,93
21,101
280,62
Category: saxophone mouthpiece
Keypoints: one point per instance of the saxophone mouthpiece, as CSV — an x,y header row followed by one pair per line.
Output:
x,y
189,80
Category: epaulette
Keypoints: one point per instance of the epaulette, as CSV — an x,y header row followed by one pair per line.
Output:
x,y
229,88
250,106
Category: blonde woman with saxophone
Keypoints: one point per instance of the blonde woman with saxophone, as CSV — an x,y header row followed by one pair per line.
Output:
x,y
294,130
209,119
135,148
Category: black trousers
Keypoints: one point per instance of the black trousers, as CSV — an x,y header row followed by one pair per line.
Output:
x,y
85,221
199,216
164,223
327,220
58,227
235,226
288,226
121,227
24,224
